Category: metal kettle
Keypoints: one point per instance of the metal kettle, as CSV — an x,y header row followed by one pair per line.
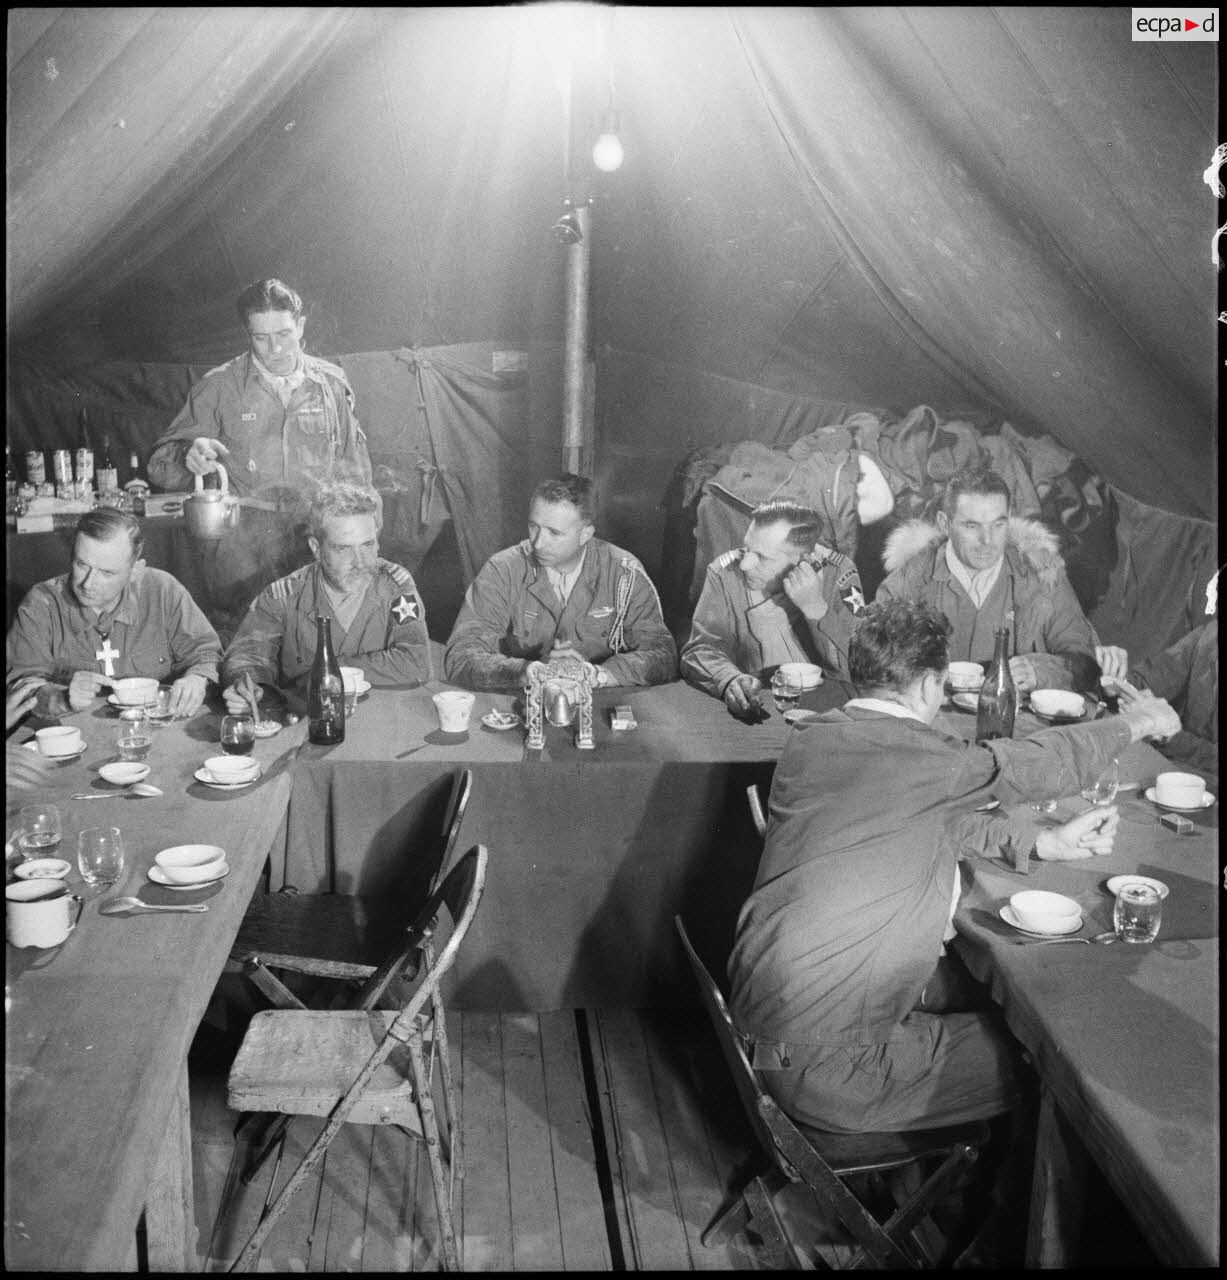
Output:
x,y
210,512
559,709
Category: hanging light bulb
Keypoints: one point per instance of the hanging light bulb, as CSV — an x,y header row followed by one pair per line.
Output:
x,y
607,152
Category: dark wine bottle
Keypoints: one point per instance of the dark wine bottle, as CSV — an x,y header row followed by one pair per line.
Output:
x,y
107,473
995,707
136,486
325,690
10,472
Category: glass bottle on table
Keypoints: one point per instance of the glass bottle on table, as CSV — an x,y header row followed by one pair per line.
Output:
x,y
325,690
107,473
136,486
995,705
10,472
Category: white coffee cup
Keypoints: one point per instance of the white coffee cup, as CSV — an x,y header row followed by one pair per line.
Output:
x,y
40,913
59,740
1181,790
353,678
453,707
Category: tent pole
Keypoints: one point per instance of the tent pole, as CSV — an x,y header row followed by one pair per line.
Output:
x,y
577,433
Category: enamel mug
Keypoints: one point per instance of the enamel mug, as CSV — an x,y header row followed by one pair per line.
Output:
x,y
41,913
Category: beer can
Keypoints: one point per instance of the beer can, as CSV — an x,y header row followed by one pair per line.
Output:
x,y
36,468
62,461
85,466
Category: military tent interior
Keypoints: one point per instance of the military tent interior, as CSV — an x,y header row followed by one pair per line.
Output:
x,y
916,234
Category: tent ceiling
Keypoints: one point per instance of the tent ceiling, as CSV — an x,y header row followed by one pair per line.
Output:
x,y
998,209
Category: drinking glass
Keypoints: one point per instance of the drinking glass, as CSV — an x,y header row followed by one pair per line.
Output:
x,y
238,735
40,832
1137,913
158,712
786,690
134,740
100,855
1103,789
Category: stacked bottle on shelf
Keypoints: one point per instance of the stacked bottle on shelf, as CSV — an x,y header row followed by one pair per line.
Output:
x,y
78,474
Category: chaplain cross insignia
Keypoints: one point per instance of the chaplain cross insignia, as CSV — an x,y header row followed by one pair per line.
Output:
x,y
106,655
405,609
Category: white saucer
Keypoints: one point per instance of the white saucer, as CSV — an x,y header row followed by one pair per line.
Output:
x,y
1206,801
1059,718
1116,883
203,775
158,876
129,706
273,726
64,755
500,722
965,701
799,715
1007,914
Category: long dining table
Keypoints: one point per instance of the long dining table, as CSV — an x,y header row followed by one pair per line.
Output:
x,y
592,852
1124,1038
97,1030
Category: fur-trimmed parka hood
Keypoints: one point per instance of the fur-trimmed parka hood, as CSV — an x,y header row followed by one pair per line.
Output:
x,y
1036,545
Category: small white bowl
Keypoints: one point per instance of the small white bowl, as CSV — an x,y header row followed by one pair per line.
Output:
x,y
1057,702
123,773
353,678
136,691
40,868
966,675
191,863
1043,912
809,674
231,768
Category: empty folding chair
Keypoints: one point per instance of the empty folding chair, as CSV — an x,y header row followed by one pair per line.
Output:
x,y
824,1162
367,1065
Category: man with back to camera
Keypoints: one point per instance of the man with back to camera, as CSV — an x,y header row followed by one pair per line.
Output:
x,y
378,620
984,569
780,597
859,1021
110,616
280,421
562,592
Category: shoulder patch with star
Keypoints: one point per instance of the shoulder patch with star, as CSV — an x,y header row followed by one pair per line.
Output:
x,y
406,609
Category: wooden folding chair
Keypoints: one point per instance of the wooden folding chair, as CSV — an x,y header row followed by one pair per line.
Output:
x,y
758,814
366,1065
824,1163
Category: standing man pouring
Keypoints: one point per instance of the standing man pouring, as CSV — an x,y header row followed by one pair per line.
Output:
x,y
562,592
281,422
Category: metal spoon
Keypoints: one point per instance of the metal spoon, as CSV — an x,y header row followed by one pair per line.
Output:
x,y
116,906
133,789
1100,939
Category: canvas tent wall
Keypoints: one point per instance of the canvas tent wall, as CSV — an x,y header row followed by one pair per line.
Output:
x,y
995,212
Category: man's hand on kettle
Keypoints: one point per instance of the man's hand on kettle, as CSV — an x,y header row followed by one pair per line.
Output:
x,y
204,454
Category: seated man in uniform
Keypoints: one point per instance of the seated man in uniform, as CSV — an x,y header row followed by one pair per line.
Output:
x,y
111,616
560,593
280,421
780,597
858,1020
378,622
1186,674
985,570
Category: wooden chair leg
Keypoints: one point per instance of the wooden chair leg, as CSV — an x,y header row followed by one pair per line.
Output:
x,y
766,1222
734,1214
455,1153
274,1134
430,1131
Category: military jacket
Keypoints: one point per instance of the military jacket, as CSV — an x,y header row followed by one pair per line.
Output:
x,y
511,615
387,638
722,642
156,630
313,439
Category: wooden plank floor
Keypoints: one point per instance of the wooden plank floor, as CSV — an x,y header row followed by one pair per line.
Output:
x,y
590,1142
